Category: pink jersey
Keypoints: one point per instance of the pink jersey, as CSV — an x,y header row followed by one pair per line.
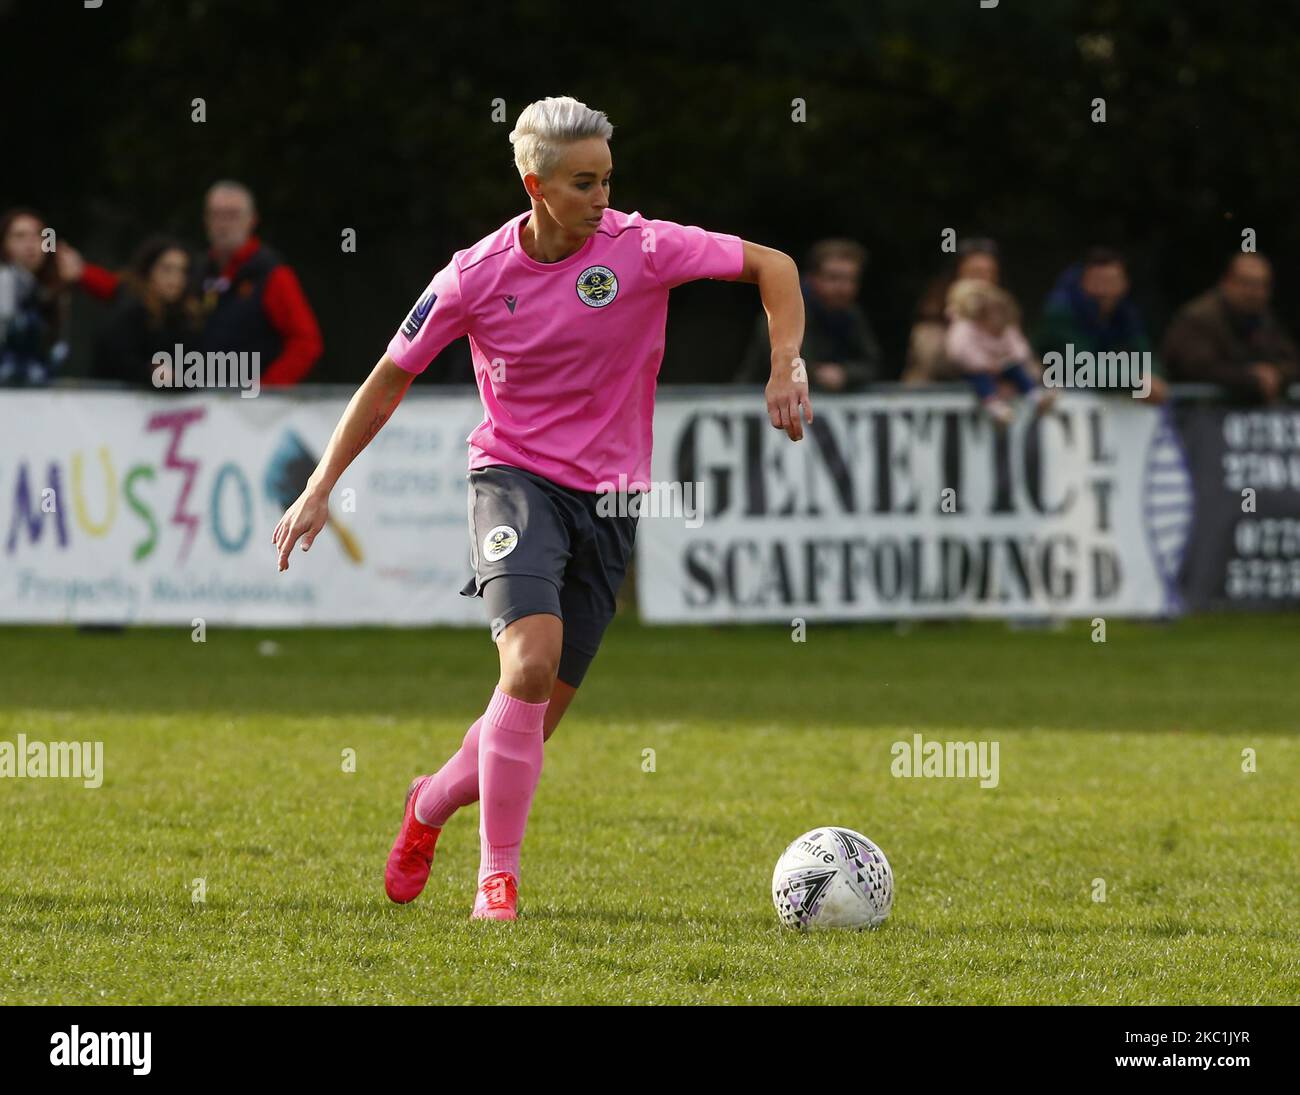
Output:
x,y
566,354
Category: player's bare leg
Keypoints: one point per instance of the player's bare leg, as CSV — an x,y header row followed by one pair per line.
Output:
x,y
561,696
529,652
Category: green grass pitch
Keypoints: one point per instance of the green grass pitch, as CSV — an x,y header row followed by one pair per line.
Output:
x,y
1119,761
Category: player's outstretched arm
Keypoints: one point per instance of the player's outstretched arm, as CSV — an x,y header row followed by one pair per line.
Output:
x,y
370,408
777,278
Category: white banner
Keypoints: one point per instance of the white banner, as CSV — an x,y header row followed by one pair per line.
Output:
x,y
159,508
914,505
147,508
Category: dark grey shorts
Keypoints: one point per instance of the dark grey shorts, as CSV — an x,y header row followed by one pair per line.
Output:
x,y
538,547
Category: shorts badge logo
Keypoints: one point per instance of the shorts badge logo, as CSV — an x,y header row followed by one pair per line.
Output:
x,y
499,543
597,286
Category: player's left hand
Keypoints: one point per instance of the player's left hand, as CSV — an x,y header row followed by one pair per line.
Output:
x,y
787,398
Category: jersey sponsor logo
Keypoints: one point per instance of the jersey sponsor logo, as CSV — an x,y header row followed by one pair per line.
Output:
x,y
419,314
597,286
499,543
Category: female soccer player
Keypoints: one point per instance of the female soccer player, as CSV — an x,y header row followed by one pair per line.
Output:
x,y
565,307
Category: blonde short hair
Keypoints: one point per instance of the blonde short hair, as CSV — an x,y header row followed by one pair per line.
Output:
x,y
971,298
548,124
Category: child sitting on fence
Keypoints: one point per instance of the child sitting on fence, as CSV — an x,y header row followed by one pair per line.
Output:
x,y
984,339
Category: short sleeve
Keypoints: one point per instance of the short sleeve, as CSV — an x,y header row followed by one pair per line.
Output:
x,y
679,253
437,318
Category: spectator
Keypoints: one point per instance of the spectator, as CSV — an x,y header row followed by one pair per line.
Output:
x,y
984,340
33,303
976,260
153,311
1090,309
1229,335
251,300
839,347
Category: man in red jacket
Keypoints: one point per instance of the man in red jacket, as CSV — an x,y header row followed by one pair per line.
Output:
x,y
252,301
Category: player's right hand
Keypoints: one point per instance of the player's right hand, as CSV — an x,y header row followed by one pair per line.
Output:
x,y
304,519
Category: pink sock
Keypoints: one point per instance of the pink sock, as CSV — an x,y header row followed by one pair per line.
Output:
x,y
454,785
509,765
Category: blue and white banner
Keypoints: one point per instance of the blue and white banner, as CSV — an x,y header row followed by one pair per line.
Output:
x,y
1246,541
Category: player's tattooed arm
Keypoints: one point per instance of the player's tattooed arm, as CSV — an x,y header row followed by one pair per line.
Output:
x,y
376,424
365,416
777,278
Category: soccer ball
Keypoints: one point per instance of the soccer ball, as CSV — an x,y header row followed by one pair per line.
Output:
x,y
832,878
